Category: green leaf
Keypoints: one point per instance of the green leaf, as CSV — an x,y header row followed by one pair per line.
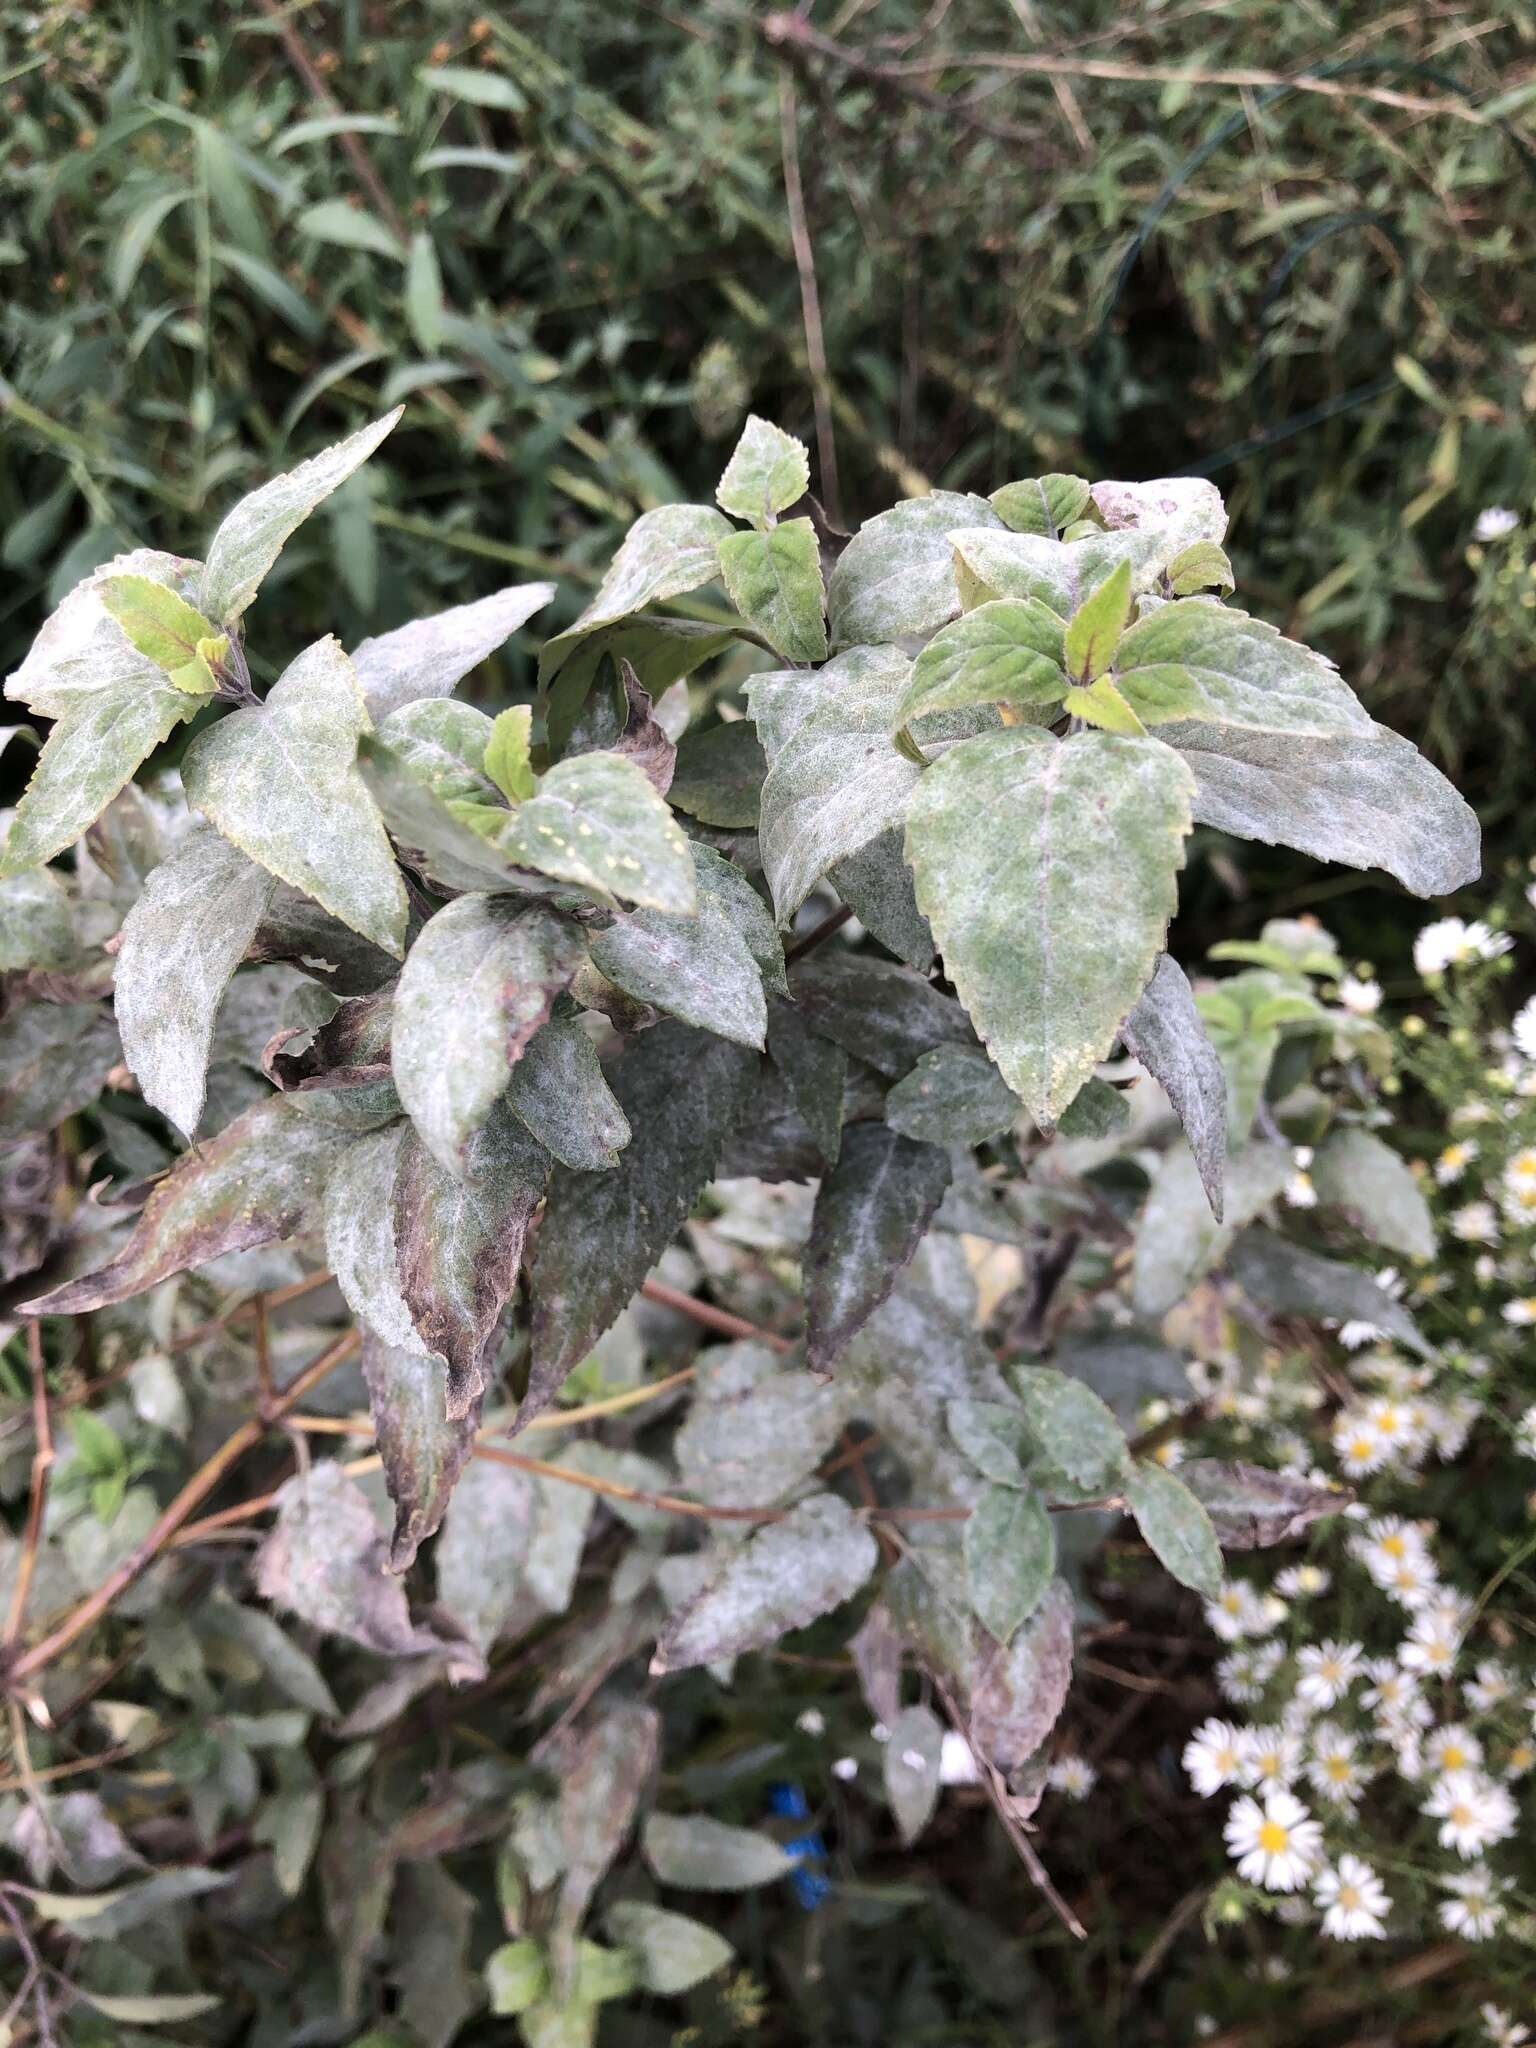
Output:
x,y
782,1577
834,780
1304,1283
423,294
252,535
1368,799
166,630
682,1091
1102,705
477,88
1059,574
876,884
98,741
423,1450
459,1238
54,1059
324,1561
478,983
508,751
953,1096
1010,1558
1177,1528
600,1787
768,471
871,1213
700,968
597,821
280,781
248,1186
675,1952
665,553
1201,566
703,1855
81,649
881,1013
994,1437
1042,504
754,1432
774,581
1251,1508
909,1764
1096,1111
37,921
1192,660
1010,652
1094,630
816,1071
897,574
1359,1173
558,1091
516,1976
431,656
181,943
360,1235
1077,1433
346,226
719,775
1047,871
1165,1033
1178,1239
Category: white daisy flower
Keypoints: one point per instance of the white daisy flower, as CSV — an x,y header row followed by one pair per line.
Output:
x,y
1392,1690
1334,1772
1213,1756
1361,997
1523,1029
1525,1433
1518,1758
1452,1749
1521,1312
1494,521
1473,1911
1302,1581
1270,1757
1491,1686
1353,1900
1073,1775
1299,1191
1449,942
1356,1445
1454,1161
812,1722
1328,1670
1276,1844
1473,1812
1501,2028
1475,1223
1243,1675
1434,1638
846,1768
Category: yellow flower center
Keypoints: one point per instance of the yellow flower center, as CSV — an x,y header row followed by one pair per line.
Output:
x,y
1453,1757
1349,1898
1273,1838
1338,1769
1361,1447
1395,1545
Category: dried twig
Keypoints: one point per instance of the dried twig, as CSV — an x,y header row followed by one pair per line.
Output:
x,y
198,1487
810,299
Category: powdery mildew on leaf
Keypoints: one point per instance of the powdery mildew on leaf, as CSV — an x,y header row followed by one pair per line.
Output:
x,y
598,822
423,1449
1194,660
1047,870
1164,1031
431,656
871,1212
897,574
280,781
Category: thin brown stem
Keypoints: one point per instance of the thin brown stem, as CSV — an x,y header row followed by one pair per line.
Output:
x,y
196,1490
321,94
42,1462
711,1318
832,922
810,298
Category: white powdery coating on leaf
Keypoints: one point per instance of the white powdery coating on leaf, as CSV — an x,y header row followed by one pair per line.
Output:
x,y
429,657
897,574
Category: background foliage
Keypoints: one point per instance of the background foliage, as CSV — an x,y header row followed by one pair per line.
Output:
x,y
563,237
